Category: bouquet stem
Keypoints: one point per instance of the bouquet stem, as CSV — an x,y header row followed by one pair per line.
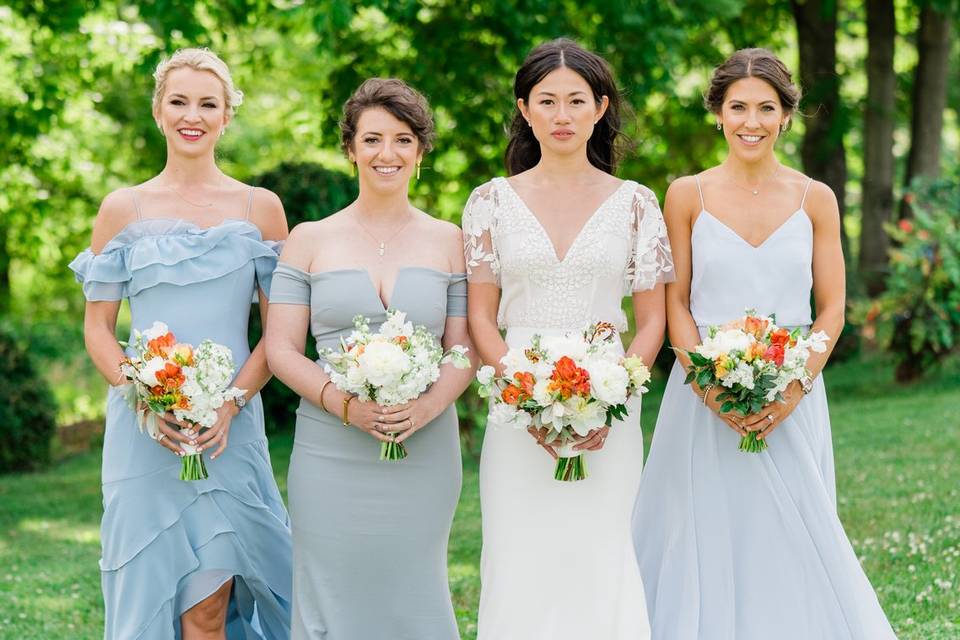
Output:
x,y
392,451
192,466
750,444
570,469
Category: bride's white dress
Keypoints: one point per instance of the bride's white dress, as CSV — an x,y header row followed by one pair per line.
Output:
x,y
558,560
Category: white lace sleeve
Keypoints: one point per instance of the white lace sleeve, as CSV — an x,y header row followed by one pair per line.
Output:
x,y
478,222
651,261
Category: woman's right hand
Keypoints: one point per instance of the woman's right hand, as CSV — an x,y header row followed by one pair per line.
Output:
x,y
539,435
366,417
729,419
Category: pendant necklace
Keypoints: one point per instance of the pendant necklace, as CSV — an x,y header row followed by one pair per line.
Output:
x,y
756,190
382,244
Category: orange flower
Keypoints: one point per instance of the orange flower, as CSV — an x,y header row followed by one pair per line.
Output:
x,y
567,378
511,394
400,340
756,350
525,380
775,354
182,354
755,326
159,346
171,376
780,337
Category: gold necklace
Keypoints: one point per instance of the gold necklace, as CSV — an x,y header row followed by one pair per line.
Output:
x,y
382,244
190,202
756,190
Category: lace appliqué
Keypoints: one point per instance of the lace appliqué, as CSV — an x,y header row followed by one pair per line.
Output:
x,y
479,220
651,261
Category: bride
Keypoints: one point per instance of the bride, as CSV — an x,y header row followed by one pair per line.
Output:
x,y
549,250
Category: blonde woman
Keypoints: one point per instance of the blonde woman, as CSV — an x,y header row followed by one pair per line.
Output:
x,y
190,247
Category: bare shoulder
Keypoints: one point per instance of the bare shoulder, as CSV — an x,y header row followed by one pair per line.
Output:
x,y
117,210
445,236
266,211
821,204
682,199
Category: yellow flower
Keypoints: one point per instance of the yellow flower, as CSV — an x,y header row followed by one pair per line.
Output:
x,y
722,366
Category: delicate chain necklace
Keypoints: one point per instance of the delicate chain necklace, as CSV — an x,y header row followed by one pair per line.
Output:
x,y
756,190
382,244
190,202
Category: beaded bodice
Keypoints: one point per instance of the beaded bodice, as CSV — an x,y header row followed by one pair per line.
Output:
x,y
623,247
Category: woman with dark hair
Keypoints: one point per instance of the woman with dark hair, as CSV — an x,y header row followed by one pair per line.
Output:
x,y
735,545
551,249
370,536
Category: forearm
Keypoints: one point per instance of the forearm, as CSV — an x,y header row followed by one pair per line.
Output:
x,y
105,352
647,341
254,373
489,343
830,320
302,375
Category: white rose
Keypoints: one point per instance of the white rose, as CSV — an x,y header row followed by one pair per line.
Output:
x,y
540,393
723,342
148,374
383,363
485,375
608,381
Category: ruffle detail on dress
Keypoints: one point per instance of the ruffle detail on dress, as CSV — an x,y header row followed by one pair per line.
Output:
x,y
169,251
197,527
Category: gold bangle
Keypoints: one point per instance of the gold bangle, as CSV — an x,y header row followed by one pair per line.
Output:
x,y
322,387
346,409
706,392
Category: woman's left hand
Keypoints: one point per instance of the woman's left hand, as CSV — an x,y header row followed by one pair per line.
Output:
x,y
405,420
219,432
773,414
594,440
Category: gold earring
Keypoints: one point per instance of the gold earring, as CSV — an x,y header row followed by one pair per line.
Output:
x,y
418,171
353,169
783,127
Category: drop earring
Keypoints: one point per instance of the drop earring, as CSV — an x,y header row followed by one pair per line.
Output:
x,y
418,171
719,127
783,127
353,169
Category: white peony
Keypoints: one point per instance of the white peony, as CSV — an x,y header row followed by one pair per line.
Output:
x,y
540,393
584,416
383,363
503,414
723,342
156,330
513,361
558,346
608,381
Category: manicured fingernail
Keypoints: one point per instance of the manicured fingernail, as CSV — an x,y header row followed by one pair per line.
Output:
x,y
193,443
213,457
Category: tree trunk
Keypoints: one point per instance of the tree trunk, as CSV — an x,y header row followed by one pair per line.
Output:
x,y
822,151
878,144
5,296
929,95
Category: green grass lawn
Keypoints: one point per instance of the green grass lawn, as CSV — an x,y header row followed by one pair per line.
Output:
x,y
898,483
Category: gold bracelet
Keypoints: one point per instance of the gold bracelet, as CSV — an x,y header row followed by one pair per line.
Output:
x,y
322,387
346,409
706,392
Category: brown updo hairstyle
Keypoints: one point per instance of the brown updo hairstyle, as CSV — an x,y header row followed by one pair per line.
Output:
x,y
396,97
607,144
753,63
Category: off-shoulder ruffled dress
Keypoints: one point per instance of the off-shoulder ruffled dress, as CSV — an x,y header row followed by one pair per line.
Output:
x,y
168,544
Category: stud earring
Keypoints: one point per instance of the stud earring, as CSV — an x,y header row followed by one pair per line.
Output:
x,y
719,127
418,171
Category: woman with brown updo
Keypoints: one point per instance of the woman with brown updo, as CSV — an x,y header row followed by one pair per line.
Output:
x,y
370,536
735,545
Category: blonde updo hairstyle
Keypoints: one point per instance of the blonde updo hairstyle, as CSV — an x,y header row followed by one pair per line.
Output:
x,y
200,59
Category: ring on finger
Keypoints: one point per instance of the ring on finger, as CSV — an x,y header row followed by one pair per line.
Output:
x,y
161,437
770,417
410,421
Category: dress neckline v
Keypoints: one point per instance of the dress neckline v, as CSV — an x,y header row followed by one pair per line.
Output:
x,y
586,224
773,233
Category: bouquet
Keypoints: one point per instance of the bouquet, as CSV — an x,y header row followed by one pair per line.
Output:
x,y
568,384
390,367
192,383
754,361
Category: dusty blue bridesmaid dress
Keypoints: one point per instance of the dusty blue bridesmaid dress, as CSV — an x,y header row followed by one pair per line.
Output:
x,y
748,546
168,544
